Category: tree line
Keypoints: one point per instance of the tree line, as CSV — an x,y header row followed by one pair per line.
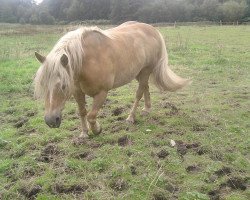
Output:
x,y
117,11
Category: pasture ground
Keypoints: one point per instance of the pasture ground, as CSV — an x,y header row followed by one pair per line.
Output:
x,y
209,121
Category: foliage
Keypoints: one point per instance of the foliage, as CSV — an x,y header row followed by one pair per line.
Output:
x,y
49,11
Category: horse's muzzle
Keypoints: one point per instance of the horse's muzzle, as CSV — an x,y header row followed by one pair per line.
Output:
x,y
53,121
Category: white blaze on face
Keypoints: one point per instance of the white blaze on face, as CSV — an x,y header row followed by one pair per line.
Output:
x,y
50,97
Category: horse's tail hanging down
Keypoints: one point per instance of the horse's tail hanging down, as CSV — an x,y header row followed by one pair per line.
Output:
x,y
163,77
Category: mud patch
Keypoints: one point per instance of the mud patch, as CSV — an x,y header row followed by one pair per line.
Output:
x,y
233,183
183,147
133,170
30,192
192,168
162,154
223,171
117,111
173,109
236,183
48,153
124,141
214,195
73,189
119,184
21,122
28,173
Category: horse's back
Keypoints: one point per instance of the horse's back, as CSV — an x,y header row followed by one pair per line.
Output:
x,y
118,55
136,46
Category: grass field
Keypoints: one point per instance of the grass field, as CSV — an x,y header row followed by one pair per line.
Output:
x,y
209,121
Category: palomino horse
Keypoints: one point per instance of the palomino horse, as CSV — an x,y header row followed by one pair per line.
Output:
x,y
91,61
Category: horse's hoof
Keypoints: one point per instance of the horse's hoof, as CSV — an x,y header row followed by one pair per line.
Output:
x,y
84,135
145,111
98,131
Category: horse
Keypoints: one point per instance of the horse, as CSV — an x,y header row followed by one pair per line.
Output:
x,y
91,61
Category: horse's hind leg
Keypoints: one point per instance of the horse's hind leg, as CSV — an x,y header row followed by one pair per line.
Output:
x,y
98,101
143,86
147,108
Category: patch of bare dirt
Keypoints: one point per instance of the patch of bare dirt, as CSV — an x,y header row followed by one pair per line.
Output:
x,y
236,183
28,173
192,168
233,183
21,122
183,147
124,141
49,153
162,154
30,192
117,111
214,195
173,109
223,171
133,170
119,184
73,189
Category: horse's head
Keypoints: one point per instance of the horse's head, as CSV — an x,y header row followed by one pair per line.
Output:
x,y
53,84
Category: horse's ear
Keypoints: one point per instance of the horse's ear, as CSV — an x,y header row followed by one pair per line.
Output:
x,y
40,58
64,60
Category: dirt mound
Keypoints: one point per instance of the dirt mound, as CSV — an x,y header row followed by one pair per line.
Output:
x,y
119,185
30,192
49,153
74,189
124,141
21,122
117,111
162,154
192,168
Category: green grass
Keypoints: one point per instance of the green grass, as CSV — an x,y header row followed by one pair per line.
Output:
x,y
211,115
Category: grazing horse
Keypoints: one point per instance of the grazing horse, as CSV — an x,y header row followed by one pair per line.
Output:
x,y
91,61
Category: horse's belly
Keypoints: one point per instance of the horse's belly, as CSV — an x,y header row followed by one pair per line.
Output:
x,y
123,77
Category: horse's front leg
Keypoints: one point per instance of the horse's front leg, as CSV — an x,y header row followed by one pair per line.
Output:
x,y
80,99
98,101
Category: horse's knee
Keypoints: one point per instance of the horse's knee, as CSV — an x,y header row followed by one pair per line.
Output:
x,y
83,113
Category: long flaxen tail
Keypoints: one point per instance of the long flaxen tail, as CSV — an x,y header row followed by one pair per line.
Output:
x,y
163,77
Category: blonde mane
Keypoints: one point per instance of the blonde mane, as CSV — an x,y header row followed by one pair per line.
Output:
x,y
52,72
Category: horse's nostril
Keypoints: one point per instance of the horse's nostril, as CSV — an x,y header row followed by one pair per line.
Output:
x,y
57,119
